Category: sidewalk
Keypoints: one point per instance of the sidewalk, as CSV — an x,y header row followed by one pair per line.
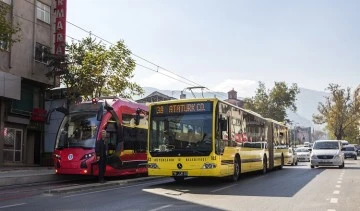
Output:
x,y
25,175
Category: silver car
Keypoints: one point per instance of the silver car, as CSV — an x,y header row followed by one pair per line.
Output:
x,y
303,154
327,153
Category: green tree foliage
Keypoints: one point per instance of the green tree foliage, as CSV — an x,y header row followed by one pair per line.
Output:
x,y
93,70
273,103
7,30
340,112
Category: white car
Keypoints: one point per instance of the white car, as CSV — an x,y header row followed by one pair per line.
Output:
x,y
327,153
303,154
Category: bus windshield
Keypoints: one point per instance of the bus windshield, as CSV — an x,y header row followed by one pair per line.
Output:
x,y
181,135
78,130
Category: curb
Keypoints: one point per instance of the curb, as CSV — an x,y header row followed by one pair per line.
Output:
x,y
35,178
99,185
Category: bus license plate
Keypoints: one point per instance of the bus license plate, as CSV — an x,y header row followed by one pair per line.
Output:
x,y
179,173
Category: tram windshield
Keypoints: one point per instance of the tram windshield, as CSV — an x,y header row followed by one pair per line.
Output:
x,y
78,130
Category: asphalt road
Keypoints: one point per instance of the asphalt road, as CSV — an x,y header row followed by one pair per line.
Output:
x,y
293,188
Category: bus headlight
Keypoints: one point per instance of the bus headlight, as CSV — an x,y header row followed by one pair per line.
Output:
x,y
87,156
209,166
152,166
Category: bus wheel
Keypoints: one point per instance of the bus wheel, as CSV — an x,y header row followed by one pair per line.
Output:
x,y
236,175
179,179
264,170
282,162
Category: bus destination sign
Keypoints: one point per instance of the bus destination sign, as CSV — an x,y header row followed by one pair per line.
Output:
x,y
182,108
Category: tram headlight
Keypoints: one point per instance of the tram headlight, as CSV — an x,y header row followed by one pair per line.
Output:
x,y
152,166
57,156
87,156
209,166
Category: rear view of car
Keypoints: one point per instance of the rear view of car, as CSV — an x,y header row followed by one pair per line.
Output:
x,y
350,152
327,153
291,157
303,154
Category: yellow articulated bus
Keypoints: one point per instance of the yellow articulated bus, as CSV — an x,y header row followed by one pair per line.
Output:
x,y
209,137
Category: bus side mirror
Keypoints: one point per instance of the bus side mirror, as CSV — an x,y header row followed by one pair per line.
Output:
x,y
100,113
223,124
137,116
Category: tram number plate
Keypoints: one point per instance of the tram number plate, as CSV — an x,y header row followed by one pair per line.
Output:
x,y
179,173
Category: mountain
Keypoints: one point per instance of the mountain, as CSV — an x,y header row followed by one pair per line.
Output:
x,y
176,93
306,103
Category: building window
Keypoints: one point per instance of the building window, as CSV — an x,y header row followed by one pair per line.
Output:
x,y
6,1
42,53
43,12
4,45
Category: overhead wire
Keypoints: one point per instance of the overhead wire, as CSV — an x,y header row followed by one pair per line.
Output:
x,y
135,62
192,83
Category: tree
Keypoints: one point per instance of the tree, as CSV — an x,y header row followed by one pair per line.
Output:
x,y
7,30
317,134
339,112
93,70
273,103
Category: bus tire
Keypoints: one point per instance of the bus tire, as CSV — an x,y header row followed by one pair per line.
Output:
x,y
264,170
179,179
282,162
237,169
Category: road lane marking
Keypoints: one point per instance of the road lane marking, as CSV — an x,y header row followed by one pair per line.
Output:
x,y
334,200
12,205
331,210
338,186
336,192
216,190
340,178
162,207
339,182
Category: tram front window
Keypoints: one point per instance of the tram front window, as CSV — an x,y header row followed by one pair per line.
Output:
x,y
187,135
78,130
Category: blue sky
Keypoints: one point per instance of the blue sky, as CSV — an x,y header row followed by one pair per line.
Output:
x,y
230,44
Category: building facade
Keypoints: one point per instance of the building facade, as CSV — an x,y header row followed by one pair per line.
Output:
x,y
233,99
23,81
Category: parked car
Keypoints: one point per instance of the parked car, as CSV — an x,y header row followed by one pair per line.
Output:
x,y
327,153
303,154
350,151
